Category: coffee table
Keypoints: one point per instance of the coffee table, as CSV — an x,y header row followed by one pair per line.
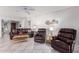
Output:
x,y
20,37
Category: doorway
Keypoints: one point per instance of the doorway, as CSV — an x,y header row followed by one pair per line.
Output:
x,y
14,25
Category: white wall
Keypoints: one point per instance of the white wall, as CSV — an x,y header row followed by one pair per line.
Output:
x,y
0,29
39,18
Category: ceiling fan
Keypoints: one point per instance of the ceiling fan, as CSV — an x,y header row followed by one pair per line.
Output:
x,y
27,9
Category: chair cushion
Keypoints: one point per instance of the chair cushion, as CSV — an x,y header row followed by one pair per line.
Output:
x,y
61,44
67,35
67,40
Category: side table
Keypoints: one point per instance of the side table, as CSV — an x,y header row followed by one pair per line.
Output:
x,y
48,39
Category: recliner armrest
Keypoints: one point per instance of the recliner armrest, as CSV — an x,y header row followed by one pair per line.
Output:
x,y
70,41
54,38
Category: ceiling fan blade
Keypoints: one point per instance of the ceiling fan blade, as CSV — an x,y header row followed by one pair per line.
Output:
x,y
29,8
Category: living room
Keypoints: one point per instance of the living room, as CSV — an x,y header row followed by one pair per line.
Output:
x,y
33,19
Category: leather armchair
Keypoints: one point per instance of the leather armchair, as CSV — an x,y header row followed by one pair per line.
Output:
x,y
40,35
64,42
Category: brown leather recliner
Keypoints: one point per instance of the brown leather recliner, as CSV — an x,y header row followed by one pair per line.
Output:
x,y
64,42
40,35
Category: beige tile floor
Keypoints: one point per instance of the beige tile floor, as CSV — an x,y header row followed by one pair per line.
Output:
x,y
29,46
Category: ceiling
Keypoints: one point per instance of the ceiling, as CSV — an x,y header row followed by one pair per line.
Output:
x,y
23,10
39,8
50,8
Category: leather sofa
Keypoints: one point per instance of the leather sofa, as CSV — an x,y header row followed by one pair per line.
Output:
x,y
64,41
40,35
21,31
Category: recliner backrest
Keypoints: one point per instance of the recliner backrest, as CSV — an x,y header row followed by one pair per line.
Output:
x,y
66,34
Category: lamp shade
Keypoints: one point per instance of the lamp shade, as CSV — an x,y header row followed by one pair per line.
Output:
x,y
51,29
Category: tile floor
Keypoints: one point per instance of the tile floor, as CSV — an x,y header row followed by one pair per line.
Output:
x,y
29,46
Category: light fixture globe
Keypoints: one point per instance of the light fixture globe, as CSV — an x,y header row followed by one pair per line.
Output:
x,y
51,28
